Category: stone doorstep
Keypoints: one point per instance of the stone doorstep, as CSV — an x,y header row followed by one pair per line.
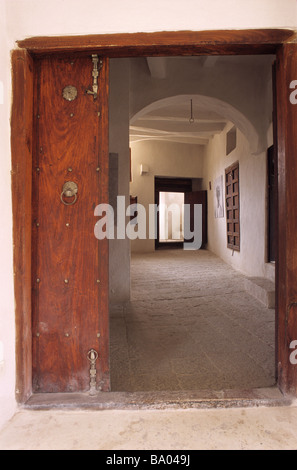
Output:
x,y
203,399
262,289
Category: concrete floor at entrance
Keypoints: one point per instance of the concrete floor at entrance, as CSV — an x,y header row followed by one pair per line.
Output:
x,y
190,325
272,428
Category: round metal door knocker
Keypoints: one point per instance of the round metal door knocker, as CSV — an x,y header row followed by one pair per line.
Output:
x,y
69,190
70,93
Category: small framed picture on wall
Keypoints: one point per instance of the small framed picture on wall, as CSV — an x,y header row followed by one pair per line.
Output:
x,y
218,193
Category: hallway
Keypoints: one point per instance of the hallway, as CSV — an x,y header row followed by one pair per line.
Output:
x,y
190,325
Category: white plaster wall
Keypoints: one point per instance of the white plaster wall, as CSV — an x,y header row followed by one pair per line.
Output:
x,y
252,176
162,159
7,322
51,17
25,18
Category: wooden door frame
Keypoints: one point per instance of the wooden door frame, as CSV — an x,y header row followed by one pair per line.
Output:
x,y
182,43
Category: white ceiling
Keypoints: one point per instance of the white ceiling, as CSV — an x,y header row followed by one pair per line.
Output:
x,y
171,123
169,119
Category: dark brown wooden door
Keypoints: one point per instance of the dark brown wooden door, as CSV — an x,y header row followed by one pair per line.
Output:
x,y
286,222
198,197
69,265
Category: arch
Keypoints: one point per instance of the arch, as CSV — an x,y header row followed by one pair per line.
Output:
x,y
222,108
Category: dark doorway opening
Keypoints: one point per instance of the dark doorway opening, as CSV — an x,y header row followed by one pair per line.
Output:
x,y
169,185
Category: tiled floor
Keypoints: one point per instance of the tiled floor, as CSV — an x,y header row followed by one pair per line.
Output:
x,y
190,325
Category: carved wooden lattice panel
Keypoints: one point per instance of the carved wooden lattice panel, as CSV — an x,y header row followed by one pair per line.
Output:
x,y
232,206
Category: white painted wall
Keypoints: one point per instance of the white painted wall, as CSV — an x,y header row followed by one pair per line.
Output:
x,y
51,17
252,176
25,18
162,159
7,322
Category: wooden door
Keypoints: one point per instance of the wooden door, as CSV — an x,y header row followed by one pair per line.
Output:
x,y
69,265
286,222
198,197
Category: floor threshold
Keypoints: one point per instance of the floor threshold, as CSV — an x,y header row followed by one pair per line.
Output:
x,y
159,400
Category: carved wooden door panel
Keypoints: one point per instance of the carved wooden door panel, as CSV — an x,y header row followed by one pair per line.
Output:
x,y
69,265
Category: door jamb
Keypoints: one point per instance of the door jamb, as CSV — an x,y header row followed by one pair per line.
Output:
x,y
273,41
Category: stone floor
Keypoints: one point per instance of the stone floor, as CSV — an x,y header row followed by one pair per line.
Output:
x,y
217,429
190,325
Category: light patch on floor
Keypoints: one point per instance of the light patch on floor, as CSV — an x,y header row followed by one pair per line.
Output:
x,y
190,325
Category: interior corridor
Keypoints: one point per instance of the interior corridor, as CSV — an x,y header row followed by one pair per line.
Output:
x,y
190,325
